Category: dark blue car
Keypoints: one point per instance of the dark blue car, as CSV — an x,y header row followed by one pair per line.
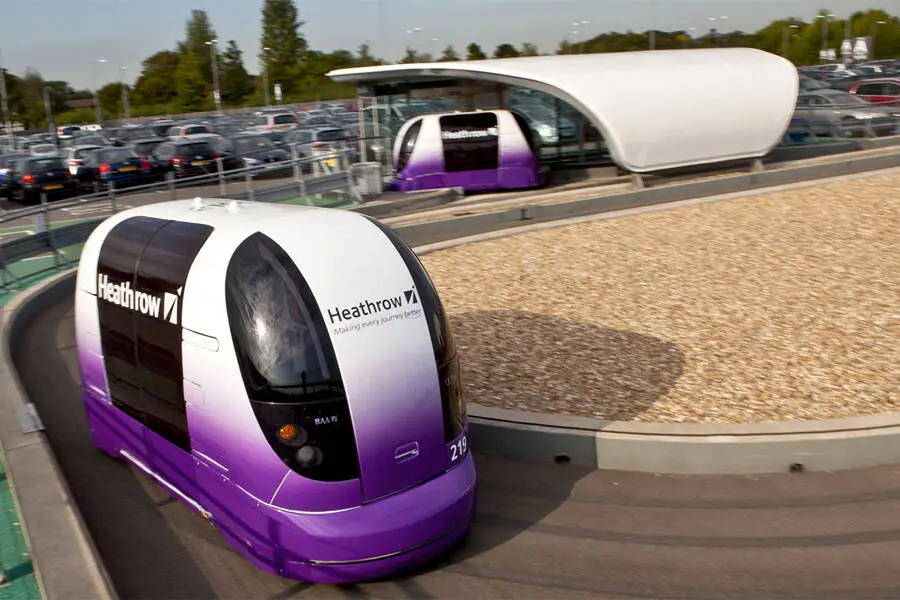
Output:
x,y
119,167
6,161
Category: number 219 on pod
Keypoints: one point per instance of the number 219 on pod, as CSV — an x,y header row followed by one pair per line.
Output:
x,y
458,449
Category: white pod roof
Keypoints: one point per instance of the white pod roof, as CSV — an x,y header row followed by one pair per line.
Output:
x,y
656,110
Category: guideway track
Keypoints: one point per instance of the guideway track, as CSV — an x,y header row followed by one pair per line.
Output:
x,y
542,530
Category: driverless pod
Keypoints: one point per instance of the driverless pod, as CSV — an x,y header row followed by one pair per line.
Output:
x,y
482,150
286,372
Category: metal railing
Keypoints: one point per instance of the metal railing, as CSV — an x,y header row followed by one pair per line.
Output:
x,y
37,236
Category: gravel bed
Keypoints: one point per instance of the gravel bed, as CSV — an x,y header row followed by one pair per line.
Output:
x,y
777,307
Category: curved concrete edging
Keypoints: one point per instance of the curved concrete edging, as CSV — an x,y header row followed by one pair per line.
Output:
x,y
65,558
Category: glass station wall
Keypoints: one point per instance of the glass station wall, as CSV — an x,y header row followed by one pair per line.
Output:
x,y
564,134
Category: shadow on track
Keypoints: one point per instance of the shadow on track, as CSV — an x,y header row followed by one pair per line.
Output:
x,y
149,561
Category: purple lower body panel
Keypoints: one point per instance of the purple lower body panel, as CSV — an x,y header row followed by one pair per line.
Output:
x,y
470,181
371,541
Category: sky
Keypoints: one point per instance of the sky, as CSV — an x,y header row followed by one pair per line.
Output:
x,y
64,40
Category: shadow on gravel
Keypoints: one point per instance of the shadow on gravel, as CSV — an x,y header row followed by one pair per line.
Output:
x,y
538,363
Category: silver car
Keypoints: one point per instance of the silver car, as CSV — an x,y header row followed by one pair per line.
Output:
x,y
833,113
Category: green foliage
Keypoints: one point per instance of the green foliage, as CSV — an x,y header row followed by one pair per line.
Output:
x,y
156,84
111,99
234,81
474,52
449,54
190,85
506,51
198,32
364,57
287,47
529,49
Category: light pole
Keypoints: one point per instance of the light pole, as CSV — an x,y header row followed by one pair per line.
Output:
x,y
4,101
651,35
577,25
266,73
214,57
437,48
126,108
872,36
412,31
785,41
689,36
826,18
97,112
717,34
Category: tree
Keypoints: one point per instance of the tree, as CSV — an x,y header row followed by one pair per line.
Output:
x,y
449,54
198,31
411,56
156,84
190,85
111,99
529,49
234,81
287,47
506,51
364,57
32,112
474,52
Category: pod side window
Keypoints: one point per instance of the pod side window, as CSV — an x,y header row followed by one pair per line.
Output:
x,y
445,355
471,142
408,145
142,268
288,364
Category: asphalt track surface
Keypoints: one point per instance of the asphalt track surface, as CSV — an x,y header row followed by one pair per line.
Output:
x,y
542,530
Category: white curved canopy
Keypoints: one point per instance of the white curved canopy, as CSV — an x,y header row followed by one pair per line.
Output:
x,y
655,109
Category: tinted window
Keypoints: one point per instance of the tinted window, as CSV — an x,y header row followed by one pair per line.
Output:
x,y
146,147
526,130
251,144
117,155
201,148
142,269
277,327
471,142
44,165
163,269
284,119
195,129
331,135
452,399
409,142
288,364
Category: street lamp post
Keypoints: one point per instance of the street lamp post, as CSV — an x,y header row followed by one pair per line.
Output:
x,y
577,25
266,73
825,21
214,57
785,41
97,113
689,36
4,101
717,34
872,36
126,108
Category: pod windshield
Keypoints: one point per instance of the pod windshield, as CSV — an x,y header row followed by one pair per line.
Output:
x,y
277,328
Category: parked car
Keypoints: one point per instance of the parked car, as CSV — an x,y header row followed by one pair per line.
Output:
x,y
145,148
183,130
74,156
6,161
190,157
284,121
31,176
832,113
44,150
254,149
877,90
117,167
319,140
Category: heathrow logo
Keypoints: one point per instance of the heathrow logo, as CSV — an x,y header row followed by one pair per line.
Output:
x,y
349,316
468,134
122,294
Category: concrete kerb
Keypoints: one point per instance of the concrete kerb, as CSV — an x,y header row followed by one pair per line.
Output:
x,y
66,561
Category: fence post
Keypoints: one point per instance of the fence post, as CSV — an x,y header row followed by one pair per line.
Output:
x,y
111,192
220,167
248,178
45,212
295,161
170,183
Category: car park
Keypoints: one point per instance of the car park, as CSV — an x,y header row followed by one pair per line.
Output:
x,y
177,131
33,176
43,150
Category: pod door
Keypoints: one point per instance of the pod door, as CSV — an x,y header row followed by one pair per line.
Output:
x,y
471,148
